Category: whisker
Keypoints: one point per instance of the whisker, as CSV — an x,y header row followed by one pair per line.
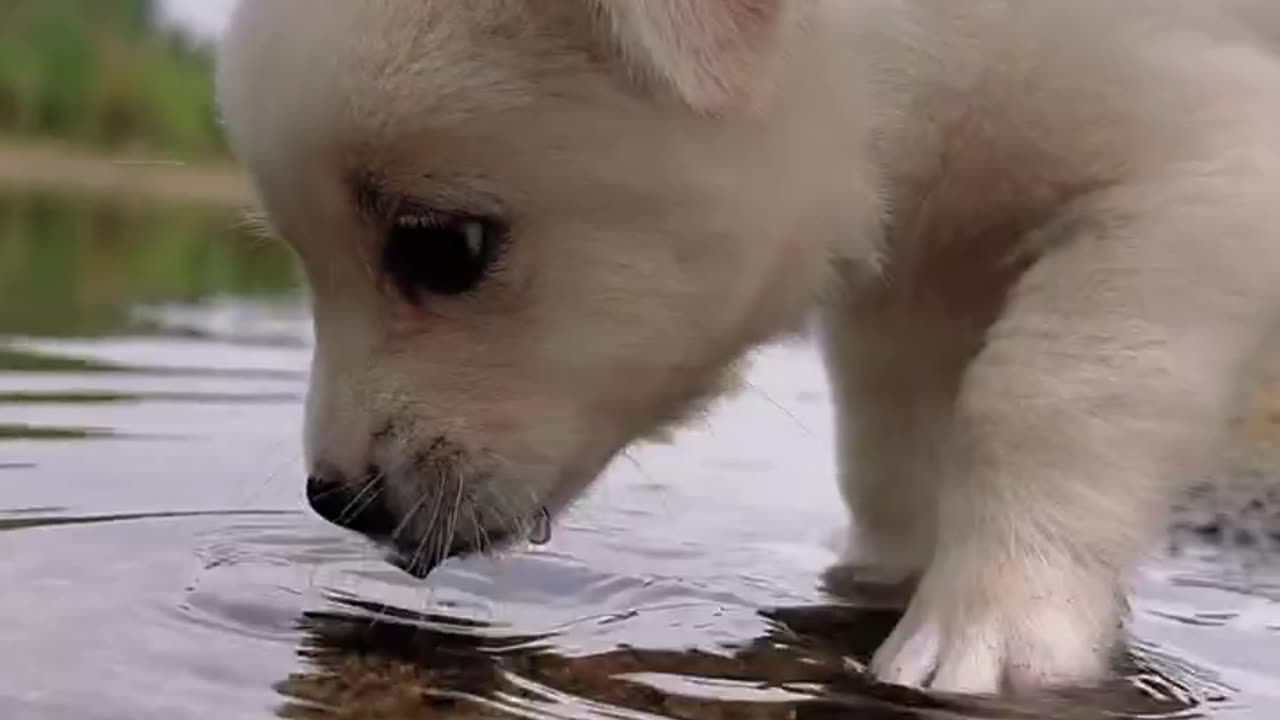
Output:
x,y
273,474
368,493
418,552
429,535
781,408
639,466
480,535
510,515
452,524
404,522
435,515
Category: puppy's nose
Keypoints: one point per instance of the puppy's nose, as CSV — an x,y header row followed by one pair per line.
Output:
x,y
359,506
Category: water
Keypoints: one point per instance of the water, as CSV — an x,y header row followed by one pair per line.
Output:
x,y
157,559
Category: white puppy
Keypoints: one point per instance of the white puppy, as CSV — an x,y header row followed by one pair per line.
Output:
x,y
1043,237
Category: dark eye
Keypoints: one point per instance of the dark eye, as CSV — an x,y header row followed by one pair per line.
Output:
x,y
430,254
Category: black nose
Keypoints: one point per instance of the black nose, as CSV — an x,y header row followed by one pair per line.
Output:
x,y
363,506
360,506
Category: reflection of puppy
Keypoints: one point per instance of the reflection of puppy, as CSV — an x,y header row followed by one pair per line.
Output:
x,y
1042,238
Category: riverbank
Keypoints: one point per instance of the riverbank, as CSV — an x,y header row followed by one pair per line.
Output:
x,y
49,167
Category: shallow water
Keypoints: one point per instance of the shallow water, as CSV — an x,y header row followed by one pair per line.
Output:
x,y
157,559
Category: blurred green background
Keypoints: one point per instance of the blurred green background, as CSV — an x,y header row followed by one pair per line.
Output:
x,y
85,87
74,266
105,73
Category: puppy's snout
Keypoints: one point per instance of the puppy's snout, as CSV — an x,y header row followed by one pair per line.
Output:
x,y
357,506
429,511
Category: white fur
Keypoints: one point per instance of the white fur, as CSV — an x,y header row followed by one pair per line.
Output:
x,y
1042,237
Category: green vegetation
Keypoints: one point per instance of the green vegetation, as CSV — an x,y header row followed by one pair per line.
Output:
x,y
101,73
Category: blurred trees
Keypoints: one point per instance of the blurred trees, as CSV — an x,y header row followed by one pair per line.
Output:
x,y
102,72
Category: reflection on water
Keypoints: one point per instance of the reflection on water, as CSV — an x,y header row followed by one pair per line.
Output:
x,y
364,657
28,432
158,560
81,268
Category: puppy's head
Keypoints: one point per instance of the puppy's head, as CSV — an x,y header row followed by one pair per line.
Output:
x,y
534,231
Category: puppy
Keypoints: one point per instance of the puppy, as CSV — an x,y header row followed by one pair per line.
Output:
x,y
1041,239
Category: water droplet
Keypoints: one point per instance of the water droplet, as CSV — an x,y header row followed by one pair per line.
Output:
x,y
540,533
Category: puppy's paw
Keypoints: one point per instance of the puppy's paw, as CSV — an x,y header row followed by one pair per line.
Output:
x,y
1017,624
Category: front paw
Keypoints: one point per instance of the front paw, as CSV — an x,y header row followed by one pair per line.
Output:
x,y
983,623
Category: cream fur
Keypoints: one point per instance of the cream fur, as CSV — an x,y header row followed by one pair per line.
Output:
x,y
1041,237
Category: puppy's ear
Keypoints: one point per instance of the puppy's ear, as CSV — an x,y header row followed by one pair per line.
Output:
x,y
714,53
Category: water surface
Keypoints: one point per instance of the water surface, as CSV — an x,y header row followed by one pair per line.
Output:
x,y
158,560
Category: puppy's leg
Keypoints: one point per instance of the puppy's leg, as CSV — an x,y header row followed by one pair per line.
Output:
x,y
1104,383
894,379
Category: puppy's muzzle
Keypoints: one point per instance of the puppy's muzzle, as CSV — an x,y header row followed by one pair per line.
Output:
x,y
363,507
359,507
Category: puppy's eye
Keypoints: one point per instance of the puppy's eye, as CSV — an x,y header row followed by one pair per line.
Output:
x,y
429,254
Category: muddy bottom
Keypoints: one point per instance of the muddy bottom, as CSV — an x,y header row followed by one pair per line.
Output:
x,y
158,561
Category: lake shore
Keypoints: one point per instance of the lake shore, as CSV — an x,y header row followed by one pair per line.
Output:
x,y
45,166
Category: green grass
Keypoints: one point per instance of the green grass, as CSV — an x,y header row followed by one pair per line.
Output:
x,y
100,73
